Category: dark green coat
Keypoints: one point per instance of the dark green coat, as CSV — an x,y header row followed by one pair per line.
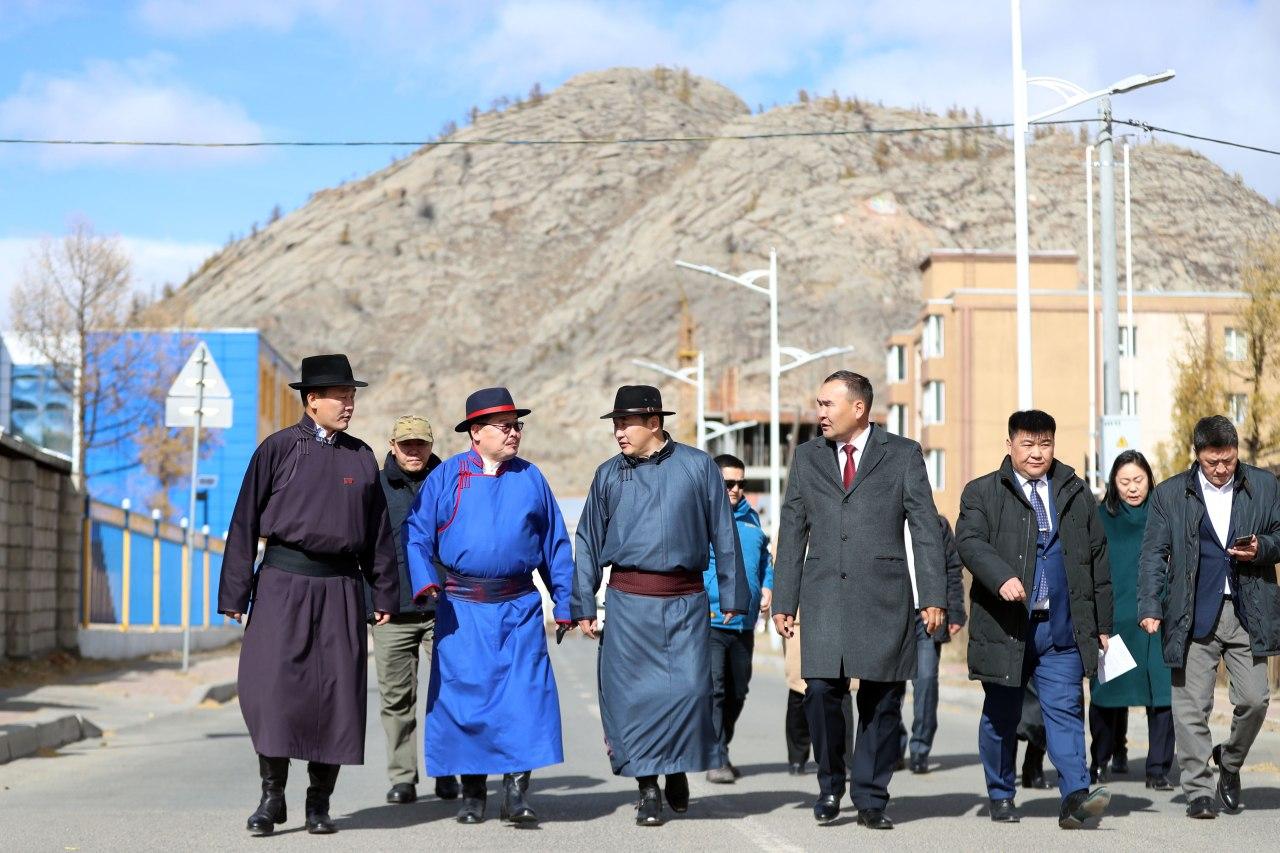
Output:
x,y
1148,685
996,535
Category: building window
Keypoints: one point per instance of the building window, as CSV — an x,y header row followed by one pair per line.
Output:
x,y
1128,403
896,365
934,406
1128,334
1236,345
936,462
932,336
897,419
1238,407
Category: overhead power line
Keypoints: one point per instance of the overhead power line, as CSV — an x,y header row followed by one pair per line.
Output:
x,y
601,141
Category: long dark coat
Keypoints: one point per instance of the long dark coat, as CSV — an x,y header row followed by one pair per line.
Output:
x,y
996,535
1149,684
842,558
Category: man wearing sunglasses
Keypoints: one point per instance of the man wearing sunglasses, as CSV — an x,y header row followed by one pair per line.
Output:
x,y
483,523
733,642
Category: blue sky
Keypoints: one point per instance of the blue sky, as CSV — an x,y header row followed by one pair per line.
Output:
x,y
325,69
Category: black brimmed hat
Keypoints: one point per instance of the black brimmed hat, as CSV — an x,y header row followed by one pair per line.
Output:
x,y
326,371
636,400
489,401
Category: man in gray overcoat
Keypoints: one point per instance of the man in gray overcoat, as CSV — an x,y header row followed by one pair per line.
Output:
x,y
851,495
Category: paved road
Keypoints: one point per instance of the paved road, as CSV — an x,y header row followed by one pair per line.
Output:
x,y
187,781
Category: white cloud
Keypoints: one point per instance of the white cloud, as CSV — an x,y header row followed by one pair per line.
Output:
x,y
134,100
923,52
940,53
155,263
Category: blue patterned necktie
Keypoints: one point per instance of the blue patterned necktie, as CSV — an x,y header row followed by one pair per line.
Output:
x,y
1042,540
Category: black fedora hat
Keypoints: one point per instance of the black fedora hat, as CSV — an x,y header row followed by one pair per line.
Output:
x,y
489,401
326,371
636,400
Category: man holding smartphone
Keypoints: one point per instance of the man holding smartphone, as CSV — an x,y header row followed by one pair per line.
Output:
x,y
1207,578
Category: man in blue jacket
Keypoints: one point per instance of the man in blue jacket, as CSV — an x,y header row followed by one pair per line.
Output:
x,y
733,642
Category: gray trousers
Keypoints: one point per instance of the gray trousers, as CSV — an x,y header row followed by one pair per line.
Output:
x,y
395,652
1193,701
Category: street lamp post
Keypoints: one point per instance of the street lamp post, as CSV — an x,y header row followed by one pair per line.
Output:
x,y
1075,96
776,367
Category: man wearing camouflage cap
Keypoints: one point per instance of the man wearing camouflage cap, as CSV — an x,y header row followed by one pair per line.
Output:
x,y
396,644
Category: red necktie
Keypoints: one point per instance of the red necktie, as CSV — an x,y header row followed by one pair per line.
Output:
x,y
850,470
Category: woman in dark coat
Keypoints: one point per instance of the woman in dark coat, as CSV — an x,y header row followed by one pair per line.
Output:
x,y
1124,518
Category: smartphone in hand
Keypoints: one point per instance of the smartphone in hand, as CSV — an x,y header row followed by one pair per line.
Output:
x,y
1242,542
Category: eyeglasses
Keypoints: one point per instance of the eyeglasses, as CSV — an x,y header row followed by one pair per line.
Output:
x,y
735,484
518,426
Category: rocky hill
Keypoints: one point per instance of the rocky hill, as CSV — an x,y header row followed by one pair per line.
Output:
x,y
547,268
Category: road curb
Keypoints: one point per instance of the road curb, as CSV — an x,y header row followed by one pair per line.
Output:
x,y
221,693
19,740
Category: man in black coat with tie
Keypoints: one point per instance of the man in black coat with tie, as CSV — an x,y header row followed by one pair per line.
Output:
x,y
851,495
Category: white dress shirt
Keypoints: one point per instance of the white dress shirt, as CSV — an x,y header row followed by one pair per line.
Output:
x,y
1217,503
859,443
1042,487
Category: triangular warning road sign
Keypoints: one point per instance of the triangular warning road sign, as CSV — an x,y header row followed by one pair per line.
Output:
x,y
187,383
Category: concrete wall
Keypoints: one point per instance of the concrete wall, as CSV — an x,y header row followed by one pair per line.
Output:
x,y
40,523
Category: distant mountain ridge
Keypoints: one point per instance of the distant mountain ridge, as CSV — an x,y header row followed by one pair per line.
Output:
x,y
547,268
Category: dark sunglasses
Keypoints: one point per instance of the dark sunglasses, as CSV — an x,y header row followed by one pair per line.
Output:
x,y
735,484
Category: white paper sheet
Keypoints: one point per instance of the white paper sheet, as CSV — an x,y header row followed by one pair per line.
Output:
x,y
1115,661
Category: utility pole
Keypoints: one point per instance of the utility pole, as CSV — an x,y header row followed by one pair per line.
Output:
x,y
1107,237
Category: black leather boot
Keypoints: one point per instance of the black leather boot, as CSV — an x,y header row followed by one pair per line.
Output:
x,y
515,808
677,792
649,809
271,808
473,799
323,777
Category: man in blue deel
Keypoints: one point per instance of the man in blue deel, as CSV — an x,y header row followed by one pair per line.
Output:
x,y
483,523
733,642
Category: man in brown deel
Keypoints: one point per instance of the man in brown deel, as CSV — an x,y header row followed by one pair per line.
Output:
x,y
396,644
312,492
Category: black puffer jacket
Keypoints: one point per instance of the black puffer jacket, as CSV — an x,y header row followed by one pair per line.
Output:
x,y
996,535
1171,558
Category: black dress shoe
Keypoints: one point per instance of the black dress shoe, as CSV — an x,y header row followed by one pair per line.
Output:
x,y
649,809
319,823
1003,811
474,794
919,764
827,808
874,819
1120,764
1202,808
402,793
1159,783
515,808
1228,784
796,768
1099,774
677,792
1081,805
447,787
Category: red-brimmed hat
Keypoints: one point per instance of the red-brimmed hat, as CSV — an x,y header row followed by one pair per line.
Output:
x,y
489,401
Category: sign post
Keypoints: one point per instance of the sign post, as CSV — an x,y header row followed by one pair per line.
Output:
x,y
199,397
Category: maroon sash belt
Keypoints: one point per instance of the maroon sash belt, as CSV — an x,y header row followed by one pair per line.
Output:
x,y
661,584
